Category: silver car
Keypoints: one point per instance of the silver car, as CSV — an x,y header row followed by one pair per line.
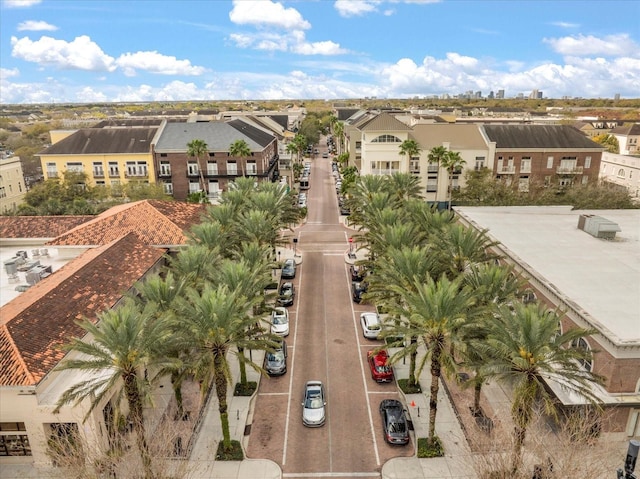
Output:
x,y
276,360
314,404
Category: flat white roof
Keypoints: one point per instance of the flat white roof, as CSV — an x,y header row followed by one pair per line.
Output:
x,y
601,276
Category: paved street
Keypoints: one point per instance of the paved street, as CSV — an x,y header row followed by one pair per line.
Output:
x,y
325,343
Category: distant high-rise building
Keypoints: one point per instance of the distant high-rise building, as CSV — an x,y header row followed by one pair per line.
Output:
x,y
491,95
616,97
500,94
478,94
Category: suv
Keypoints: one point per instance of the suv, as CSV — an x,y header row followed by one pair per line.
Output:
x,y
358,288
394,422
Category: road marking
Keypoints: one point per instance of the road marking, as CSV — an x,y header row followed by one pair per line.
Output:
x,y
333,254
364,381
273,394
331,474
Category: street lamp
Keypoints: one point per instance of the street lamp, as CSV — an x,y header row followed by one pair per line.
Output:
x,y
630,461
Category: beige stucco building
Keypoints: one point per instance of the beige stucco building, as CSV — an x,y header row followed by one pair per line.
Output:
x,y
12,185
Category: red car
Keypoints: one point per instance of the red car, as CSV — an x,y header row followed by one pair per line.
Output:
x,y
381,372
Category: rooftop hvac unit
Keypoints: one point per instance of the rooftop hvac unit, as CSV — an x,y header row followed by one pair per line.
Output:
x,y
598,226
22,254
11,267
36,274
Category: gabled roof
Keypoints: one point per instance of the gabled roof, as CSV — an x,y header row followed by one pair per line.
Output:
x,y
91,141
218,135
155,222
383,122
38,226
627,130
459,136
539,136
346,113
35,324
128,123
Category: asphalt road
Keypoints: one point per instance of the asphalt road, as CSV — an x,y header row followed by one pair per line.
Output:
x,y
325,343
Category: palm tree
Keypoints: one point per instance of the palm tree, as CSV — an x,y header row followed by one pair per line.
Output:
x,y
526,349
432,311
212,324
240,149
125,342
452,162
410,148
404,187
460,247
493,286
198,148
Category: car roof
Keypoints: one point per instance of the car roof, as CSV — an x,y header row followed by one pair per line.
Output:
x,y
370,317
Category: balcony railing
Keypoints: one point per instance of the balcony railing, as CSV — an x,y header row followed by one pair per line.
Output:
x,y
506,170
569,170
384,171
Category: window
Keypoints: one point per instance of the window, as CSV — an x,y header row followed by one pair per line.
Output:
x,y
568,164
98,169
212,168
529,297
101,183
581,343
214,189
549,161
479,163
113,169
75,166
62,441
3,192
630,174
587,162
414,165
585,179
232,168
194,186
386,139
432,185
165,168
13,439
136,168
163,155
192,168
358,145
167,188
523,184
251,168
525,164
621,173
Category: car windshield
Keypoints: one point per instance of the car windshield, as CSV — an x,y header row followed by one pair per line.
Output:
x,y
279,320
382,369
275,356
374,326
397,427
314,400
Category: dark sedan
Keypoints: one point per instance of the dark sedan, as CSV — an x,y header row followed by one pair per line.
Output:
x,y
358,288
275,362
289,269
286,294
394,422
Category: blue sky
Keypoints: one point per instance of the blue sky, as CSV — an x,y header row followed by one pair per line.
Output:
x,y
147,50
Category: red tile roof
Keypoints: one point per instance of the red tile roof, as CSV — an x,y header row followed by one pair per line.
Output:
x,y
35,324
38,226
155,222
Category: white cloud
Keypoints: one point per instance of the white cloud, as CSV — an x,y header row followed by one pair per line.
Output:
x,y
268,14
6,73
319,48
36,26
89,95
79,54
585,45
565,24
20,3
154,62
354,8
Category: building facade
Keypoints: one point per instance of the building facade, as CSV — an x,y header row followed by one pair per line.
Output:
x,y
182,175
12,185
621,170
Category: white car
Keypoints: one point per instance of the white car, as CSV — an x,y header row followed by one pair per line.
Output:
x,y
314,404
371,325
280,321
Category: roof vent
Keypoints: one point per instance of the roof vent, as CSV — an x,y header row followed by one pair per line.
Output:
x,y
598,226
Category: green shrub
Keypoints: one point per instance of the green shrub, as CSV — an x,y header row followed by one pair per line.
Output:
x,y
407,388
245,389
234,453
426,450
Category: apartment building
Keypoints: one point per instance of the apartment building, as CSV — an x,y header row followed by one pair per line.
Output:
x,y
109,156
182,175
621,170
585,264
552,155
12,185
628,137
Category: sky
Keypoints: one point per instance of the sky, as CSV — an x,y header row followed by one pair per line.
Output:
x,y
81,51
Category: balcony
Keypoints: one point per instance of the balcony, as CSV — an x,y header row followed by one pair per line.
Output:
x,y
114,174
569,170
136,175
384,171
506,170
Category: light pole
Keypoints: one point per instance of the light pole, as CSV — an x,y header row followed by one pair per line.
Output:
x,y
630,461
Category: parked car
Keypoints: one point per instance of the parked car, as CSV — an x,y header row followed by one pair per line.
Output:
x,y
325,155
275,362
357,272
286,294
313,404
381,372
358,288
394,422
344,210
371,325
288,269
280,321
